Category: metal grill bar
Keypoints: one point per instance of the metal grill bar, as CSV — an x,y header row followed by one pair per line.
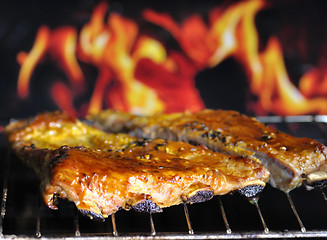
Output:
x,y
321,118
293,119
3,208
323,194
215,235
299,119
38,220
222,210
5,190
295,212
76,223
153,230
265,228
188,220
114,228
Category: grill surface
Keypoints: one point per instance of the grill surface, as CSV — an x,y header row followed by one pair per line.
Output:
x,y
300,214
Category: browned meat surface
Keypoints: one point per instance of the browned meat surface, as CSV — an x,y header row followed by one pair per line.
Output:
x,y
102,173
290,160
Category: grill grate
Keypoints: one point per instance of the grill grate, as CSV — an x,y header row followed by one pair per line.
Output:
x,y
274,215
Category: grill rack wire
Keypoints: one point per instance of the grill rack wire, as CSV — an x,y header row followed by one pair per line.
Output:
x,y
291,124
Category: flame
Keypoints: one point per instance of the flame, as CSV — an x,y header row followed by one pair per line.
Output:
x,y
63,97
116,61
229,33
278,94
232,33
29,61
192,34
314,83
62,48
171,85
139,74
94,37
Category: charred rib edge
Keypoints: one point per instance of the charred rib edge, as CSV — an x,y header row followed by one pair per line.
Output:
x,y
92,215
147,206
250,191
201,196
316,180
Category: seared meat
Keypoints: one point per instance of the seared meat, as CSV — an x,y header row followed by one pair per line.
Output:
x,y
102,173
290,160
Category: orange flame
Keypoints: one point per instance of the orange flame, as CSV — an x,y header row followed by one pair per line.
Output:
x,y
62,47
138,74
29,61
278,94
232,33
94,37
63,97
314,83
116,61
192,34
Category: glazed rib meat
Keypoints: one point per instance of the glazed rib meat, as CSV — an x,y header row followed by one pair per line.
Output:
x,y
102,173
290,160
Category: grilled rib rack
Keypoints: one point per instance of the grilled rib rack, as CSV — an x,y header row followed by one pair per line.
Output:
x,y
299,214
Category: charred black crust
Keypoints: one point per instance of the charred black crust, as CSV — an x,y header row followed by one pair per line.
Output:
x,y
138,143
201,196
158,145
147,206
250,191
205,131
58,156
92,215
317,184
32,156
79,147
32,151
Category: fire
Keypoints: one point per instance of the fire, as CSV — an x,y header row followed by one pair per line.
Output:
x,y
233,34
29,61
314,83
62,47
63,97
137,73
278,94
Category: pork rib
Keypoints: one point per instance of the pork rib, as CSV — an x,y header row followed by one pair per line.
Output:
x,y
290,160
102,173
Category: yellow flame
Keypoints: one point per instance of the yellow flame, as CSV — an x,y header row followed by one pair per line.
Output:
x,y
94,36
63,47
278,93
111,51
115,47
